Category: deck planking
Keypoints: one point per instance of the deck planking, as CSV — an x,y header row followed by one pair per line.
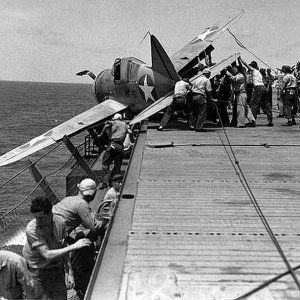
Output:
x,y
194,232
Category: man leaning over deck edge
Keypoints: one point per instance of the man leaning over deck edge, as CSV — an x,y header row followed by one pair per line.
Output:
x,y
45,253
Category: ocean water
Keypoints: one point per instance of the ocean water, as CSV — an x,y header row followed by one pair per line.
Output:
x,y
27,110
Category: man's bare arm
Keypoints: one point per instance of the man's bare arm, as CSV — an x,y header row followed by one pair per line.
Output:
x,y
54,253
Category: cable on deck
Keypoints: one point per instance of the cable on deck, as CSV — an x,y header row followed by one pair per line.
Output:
x,y
243,180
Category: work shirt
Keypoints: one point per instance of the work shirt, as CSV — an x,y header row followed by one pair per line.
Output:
x,y
279,83
257,78
297,75
289,81
110,199
269,80
118,130
37,236
75,211
111,195
14,275
238,82
181,88
202,86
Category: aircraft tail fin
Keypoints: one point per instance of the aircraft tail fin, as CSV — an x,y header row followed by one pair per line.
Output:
x,y
161,62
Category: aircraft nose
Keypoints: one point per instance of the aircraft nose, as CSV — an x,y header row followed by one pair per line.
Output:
x,y
102,85
95,91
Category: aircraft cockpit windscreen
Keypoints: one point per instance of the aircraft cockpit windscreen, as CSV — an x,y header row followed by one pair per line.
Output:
x,y
116,70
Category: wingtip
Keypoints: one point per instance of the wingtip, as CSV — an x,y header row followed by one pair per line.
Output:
x,y
5,161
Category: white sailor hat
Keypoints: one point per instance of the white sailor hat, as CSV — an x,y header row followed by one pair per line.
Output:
x,y
87,186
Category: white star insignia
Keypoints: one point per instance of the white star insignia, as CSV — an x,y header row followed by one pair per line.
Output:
x,y
203,35
147,89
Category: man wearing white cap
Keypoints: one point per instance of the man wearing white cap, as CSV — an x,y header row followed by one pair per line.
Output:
x,y
117,130
75,210
77,214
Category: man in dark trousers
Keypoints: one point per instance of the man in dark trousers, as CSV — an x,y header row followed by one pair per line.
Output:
x,y
116,130
289,96
201,92
179,102
270,80
223,95
259,97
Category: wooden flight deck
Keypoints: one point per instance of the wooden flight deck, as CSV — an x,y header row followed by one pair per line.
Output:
x,y
186,228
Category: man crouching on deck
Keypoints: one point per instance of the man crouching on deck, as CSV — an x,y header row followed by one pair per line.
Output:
x,y
44,252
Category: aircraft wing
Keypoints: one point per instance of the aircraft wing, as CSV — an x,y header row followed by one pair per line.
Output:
x,y
68,128
217,68
153,108
188,55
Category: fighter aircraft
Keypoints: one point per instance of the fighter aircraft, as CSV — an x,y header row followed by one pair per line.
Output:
x,y
133,85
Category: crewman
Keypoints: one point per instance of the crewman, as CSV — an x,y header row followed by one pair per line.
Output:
x,y
279,86
15,279
223,95
81,222
260,95
201,92
182,87
289,96
249,86
75,210
45,252
238,85
269,82
297,75
111,197
114,192
117,130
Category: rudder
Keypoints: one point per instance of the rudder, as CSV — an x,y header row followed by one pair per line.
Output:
x,y
161,62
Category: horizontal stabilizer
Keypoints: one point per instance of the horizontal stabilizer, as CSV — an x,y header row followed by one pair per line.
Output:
x,y
68,128
153,108
87,72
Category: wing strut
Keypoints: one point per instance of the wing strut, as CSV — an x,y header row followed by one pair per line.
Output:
x,y
80,160
42,181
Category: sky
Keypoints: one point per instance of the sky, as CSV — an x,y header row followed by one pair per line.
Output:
x,y
51,40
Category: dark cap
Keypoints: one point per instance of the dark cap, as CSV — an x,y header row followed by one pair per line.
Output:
x,y
201,67
286,69
253,64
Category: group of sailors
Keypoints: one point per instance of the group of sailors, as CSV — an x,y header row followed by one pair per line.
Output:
x,y
62,239
244,87
60,248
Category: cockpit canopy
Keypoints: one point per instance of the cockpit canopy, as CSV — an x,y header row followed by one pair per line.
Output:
x,y
125,69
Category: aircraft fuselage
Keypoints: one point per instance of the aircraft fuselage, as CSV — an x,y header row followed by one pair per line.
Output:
x,y
132,83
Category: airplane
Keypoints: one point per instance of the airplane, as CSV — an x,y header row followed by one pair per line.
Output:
x,y
133,85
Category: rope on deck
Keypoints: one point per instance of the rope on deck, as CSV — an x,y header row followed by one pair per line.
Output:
x,y
239,172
